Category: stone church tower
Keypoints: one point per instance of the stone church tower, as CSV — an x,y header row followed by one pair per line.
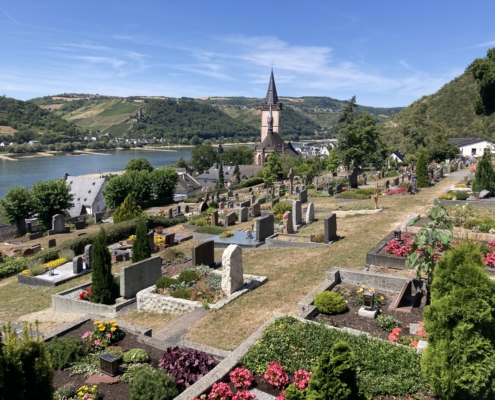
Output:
x,y
271,137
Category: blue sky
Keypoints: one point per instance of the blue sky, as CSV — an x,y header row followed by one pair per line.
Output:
x,y
387,53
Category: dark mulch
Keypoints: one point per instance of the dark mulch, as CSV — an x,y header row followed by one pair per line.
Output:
x,y
175,268
351,319
120,390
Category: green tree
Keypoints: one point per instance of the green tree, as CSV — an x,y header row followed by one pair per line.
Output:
x,y
181,163
484,178
164,181
271,168
128,210
139,164
16,205
459,362
348,114
220,184
333,161
50,198
239,155
334,376
140,248
203,157
102,278
483,71
136,183
422,170
237,174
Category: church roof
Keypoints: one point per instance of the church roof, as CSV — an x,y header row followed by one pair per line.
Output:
x,y
271,95
273,141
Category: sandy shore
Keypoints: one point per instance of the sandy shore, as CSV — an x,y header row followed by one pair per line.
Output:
x,y
100,174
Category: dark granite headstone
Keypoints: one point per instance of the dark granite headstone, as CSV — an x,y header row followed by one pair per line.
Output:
x,y
52,243
203,206
338,188
264,227
275,201
246,203
151,242
303,196
243,214
214,218
170,212
203,254
186,208
77,265
230,219
256,209
88,255
330,190
330,226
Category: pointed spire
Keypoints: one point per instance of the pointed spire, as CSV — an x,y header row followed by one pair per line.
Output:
x,y
271,95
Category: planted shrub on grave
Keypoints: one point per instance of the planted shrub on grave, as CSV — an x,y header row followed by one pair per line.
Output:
x,y
102,291
103,335
150,384
282,207
140,248
134,356
330,303
211,230
65,351
186,365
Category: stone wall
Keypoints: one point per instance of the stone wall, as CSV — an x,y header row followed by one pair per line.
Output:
x,y
139,276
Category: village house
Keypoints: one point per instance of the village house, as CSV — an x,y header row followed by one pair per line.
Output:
x,y
88,195
210,176
186,186
474,146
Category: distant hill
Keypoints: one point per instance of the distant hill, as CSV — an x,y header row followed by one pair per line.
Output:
x,y
452,106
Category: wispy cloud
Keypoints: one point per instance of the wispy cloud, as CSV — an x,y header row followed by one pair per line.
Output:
x,y
8,15
485,44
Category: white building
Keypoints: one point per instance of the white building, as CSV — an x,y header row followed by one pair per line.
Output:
x,y
471,146
88,195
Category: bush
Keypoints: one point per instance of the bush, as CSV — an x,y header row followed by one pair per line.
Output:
x,y
335,376
319,238
330,303
209,229
282,207
460,318
65,351
484,178
152,385
422,171
387,323
102,278
116,351
188,276
171,254
459,195
165,282
127,211
182,293
296,345
140,247
136,356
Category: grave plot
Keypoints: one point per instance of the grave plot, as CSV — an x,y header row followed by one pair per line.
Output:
x,y
126,350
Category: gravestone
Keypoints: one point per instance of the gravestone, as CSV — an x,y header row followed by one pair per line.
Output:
x,y
203,254
396,181
88,255
310,213
297,189
330,190
401,178
365,179
288,223
169,239
379,174
274,201
303,196
330,226
207,197
414,182
435,176
484,194
58,224
98,217
27,252
217,195
409,175
221,205
253,199
264,227
291,179
387,185
243,214
230,219
170,213
256,210
230,204
52,243
430,177
246,203
139,275
229,193
151,241
203,206
77,265
232,272
186,208
262,200
440,173
353,178
178,209
296,213
338,188
214,218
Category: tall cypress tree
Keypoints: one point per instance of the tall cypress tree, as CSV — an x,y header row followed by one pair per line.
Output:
x,y
237,174
220,182
484,179
422,170
140,248
102,278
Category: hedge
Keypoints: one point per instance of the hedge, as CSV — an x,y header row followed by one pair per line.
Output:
x,y
155,202
212,230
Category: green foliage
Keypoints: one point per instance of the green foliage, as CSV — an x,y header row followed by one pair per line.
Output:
x,y
387,323
50,198
335,375
183,293
171,254
282,207
86,366
385,369
25,369
128,210
220,184
271,168
139,164
65,351
293,393
165,282
132,370
164,181
140,248
330,303
138,184
353,195
16,205
484,178
136,356
459,194
152,385
209,229
459,360
102,278
203,157
181,163
333,161
66,392
483,71
188,276
116,351
422,171
239,155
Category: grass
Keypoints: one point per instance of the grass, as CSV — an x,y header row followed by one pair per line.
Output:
x,y
147,319
120,108
293,273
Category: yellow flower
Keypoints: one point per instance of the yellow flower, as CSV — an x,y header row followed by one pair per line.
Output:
x,y
359,291
101,328
382,298
80,393
97,322
113,329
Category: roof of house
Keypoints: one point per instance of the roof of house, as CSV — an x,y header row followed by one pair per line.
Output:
x,y
398,154
187,184
461,142
247,171
84,190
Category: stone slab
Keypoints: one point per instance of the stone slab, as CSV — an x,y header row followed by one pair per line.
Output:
x,y
139,276
368,313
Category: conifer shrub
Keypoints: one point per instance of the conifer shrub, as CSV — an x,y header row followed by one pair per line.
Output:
x,y
102,279
330,303
140,248
188,276
282,207
136,356
127,211
65,351
484,178
165,282
459,362
422,171
148,384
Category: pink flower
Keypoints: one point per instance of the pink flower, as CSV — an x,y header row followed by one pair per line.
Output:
x,y
109,335
96,341
86,335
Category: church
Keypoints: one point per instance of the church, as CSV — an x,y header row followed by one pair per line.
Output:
x,y
271,136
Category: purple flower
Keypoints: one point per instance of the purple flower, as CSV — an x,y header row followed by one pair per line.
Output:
x,y
109,335
86,335
96,341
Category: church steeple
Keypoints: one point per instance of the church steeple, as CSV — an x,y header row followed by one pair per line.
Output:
x,y
271,95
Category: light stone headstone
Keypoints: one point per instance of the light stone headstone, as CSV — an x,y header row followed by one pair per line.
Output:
x,y
230,219
484,194
58,223
253,199
77,265
243,214
288,223
401,178
310,213
232,271
291,179
296,213
256,209
88,255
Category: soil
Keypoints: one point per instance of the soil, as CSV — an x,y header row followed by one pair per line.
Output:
x,y
173,269
422,222
119,390
351,319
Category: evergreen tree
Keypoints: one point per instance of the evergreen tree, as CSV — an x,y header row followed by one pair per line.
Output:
x,y
459,362
237,174
271,169
422,170
127,210
102,278
333,161
484,179
334,376
140,248
220,184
